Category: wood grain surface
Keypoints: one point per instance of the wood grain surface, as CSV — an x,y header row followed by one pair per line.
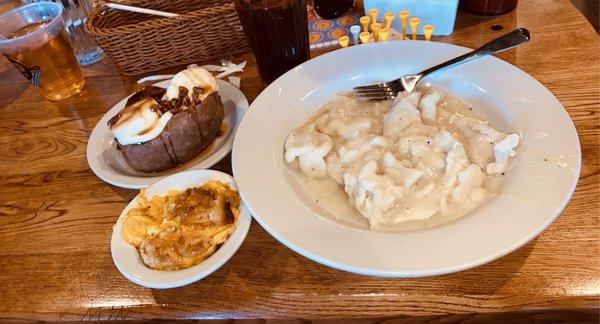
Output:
x,y
56,216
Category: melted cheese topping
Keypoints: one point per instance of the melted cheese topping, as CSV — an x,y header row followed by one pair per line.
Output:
x,y
419,156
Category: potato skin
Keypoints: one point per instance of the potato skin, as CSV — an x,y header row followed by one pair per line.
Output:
x,y
185,136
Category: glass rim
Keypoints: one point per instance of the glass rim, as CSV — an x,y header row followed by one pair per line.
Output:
x,y
13,11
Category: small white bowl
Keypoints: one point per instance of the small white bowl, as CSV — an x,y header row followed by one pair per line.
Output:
x,y
128,261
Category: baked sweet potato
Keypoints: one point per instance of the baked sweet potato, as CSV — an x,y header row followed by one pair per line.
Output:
x,y
187,133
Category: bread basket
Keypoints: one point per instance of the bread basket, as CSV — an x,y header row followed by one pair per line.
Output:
x,y
139,43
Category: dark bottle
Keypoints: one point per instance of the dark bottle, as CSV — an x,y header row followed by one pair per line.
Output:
x,y
488,7
330,9
277,32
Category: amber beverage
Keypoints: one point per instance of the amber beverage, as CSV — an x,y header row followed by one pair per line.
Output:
x,y
33,38
277,32
7,5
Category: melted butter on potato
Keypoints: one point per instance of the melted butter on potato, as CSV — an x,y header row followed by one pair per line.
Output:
x,y
139,122
193,76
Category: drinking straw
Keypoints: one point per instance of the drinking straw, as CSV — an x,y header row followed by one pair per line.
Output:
x,y
141,10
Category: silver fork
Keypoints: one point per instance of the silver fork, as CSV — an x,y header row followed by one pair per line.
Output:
x,y
389,90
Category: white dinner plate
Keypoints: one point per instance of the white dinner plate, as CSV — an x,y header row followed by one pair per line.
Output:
x,y
109,165
128,261
535,191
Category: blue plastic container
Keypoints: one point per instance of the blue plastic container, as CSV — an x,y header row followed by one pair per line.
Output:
x,y
440,13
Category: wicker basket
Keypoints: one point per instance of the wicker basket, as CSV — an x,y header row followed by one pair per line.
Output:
x,y
139,43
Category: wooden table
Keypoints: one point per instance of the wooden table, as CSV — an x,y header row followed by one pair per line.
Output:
x,y
56,216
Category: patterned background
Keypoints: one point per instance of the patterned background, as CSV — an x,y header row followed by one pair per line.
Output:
x,y
325,32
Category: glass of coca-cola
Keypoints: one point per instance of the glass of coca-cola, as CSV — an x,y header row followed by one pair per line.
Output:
x,y
277,32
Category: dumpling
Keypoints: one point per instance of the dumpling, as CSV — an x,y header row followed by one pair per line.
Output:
x,y
503,150
372,193
335,168
428,107
310,147
456,160
469,191
407,176
456,156
420,156
404,112
346,121
355,148
481,137
355,127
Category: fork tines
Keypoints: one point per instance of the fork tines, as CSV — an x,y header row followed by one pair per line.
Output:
x,y
392,84
378,95
381,91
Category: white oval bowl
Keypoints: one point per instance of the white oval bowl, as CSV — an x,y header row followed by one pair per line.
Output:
x,y
128,260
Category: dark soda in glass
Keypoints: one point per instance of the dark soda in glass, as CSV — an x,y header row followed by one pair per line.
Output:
x,y
331,9
277,32
488,7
